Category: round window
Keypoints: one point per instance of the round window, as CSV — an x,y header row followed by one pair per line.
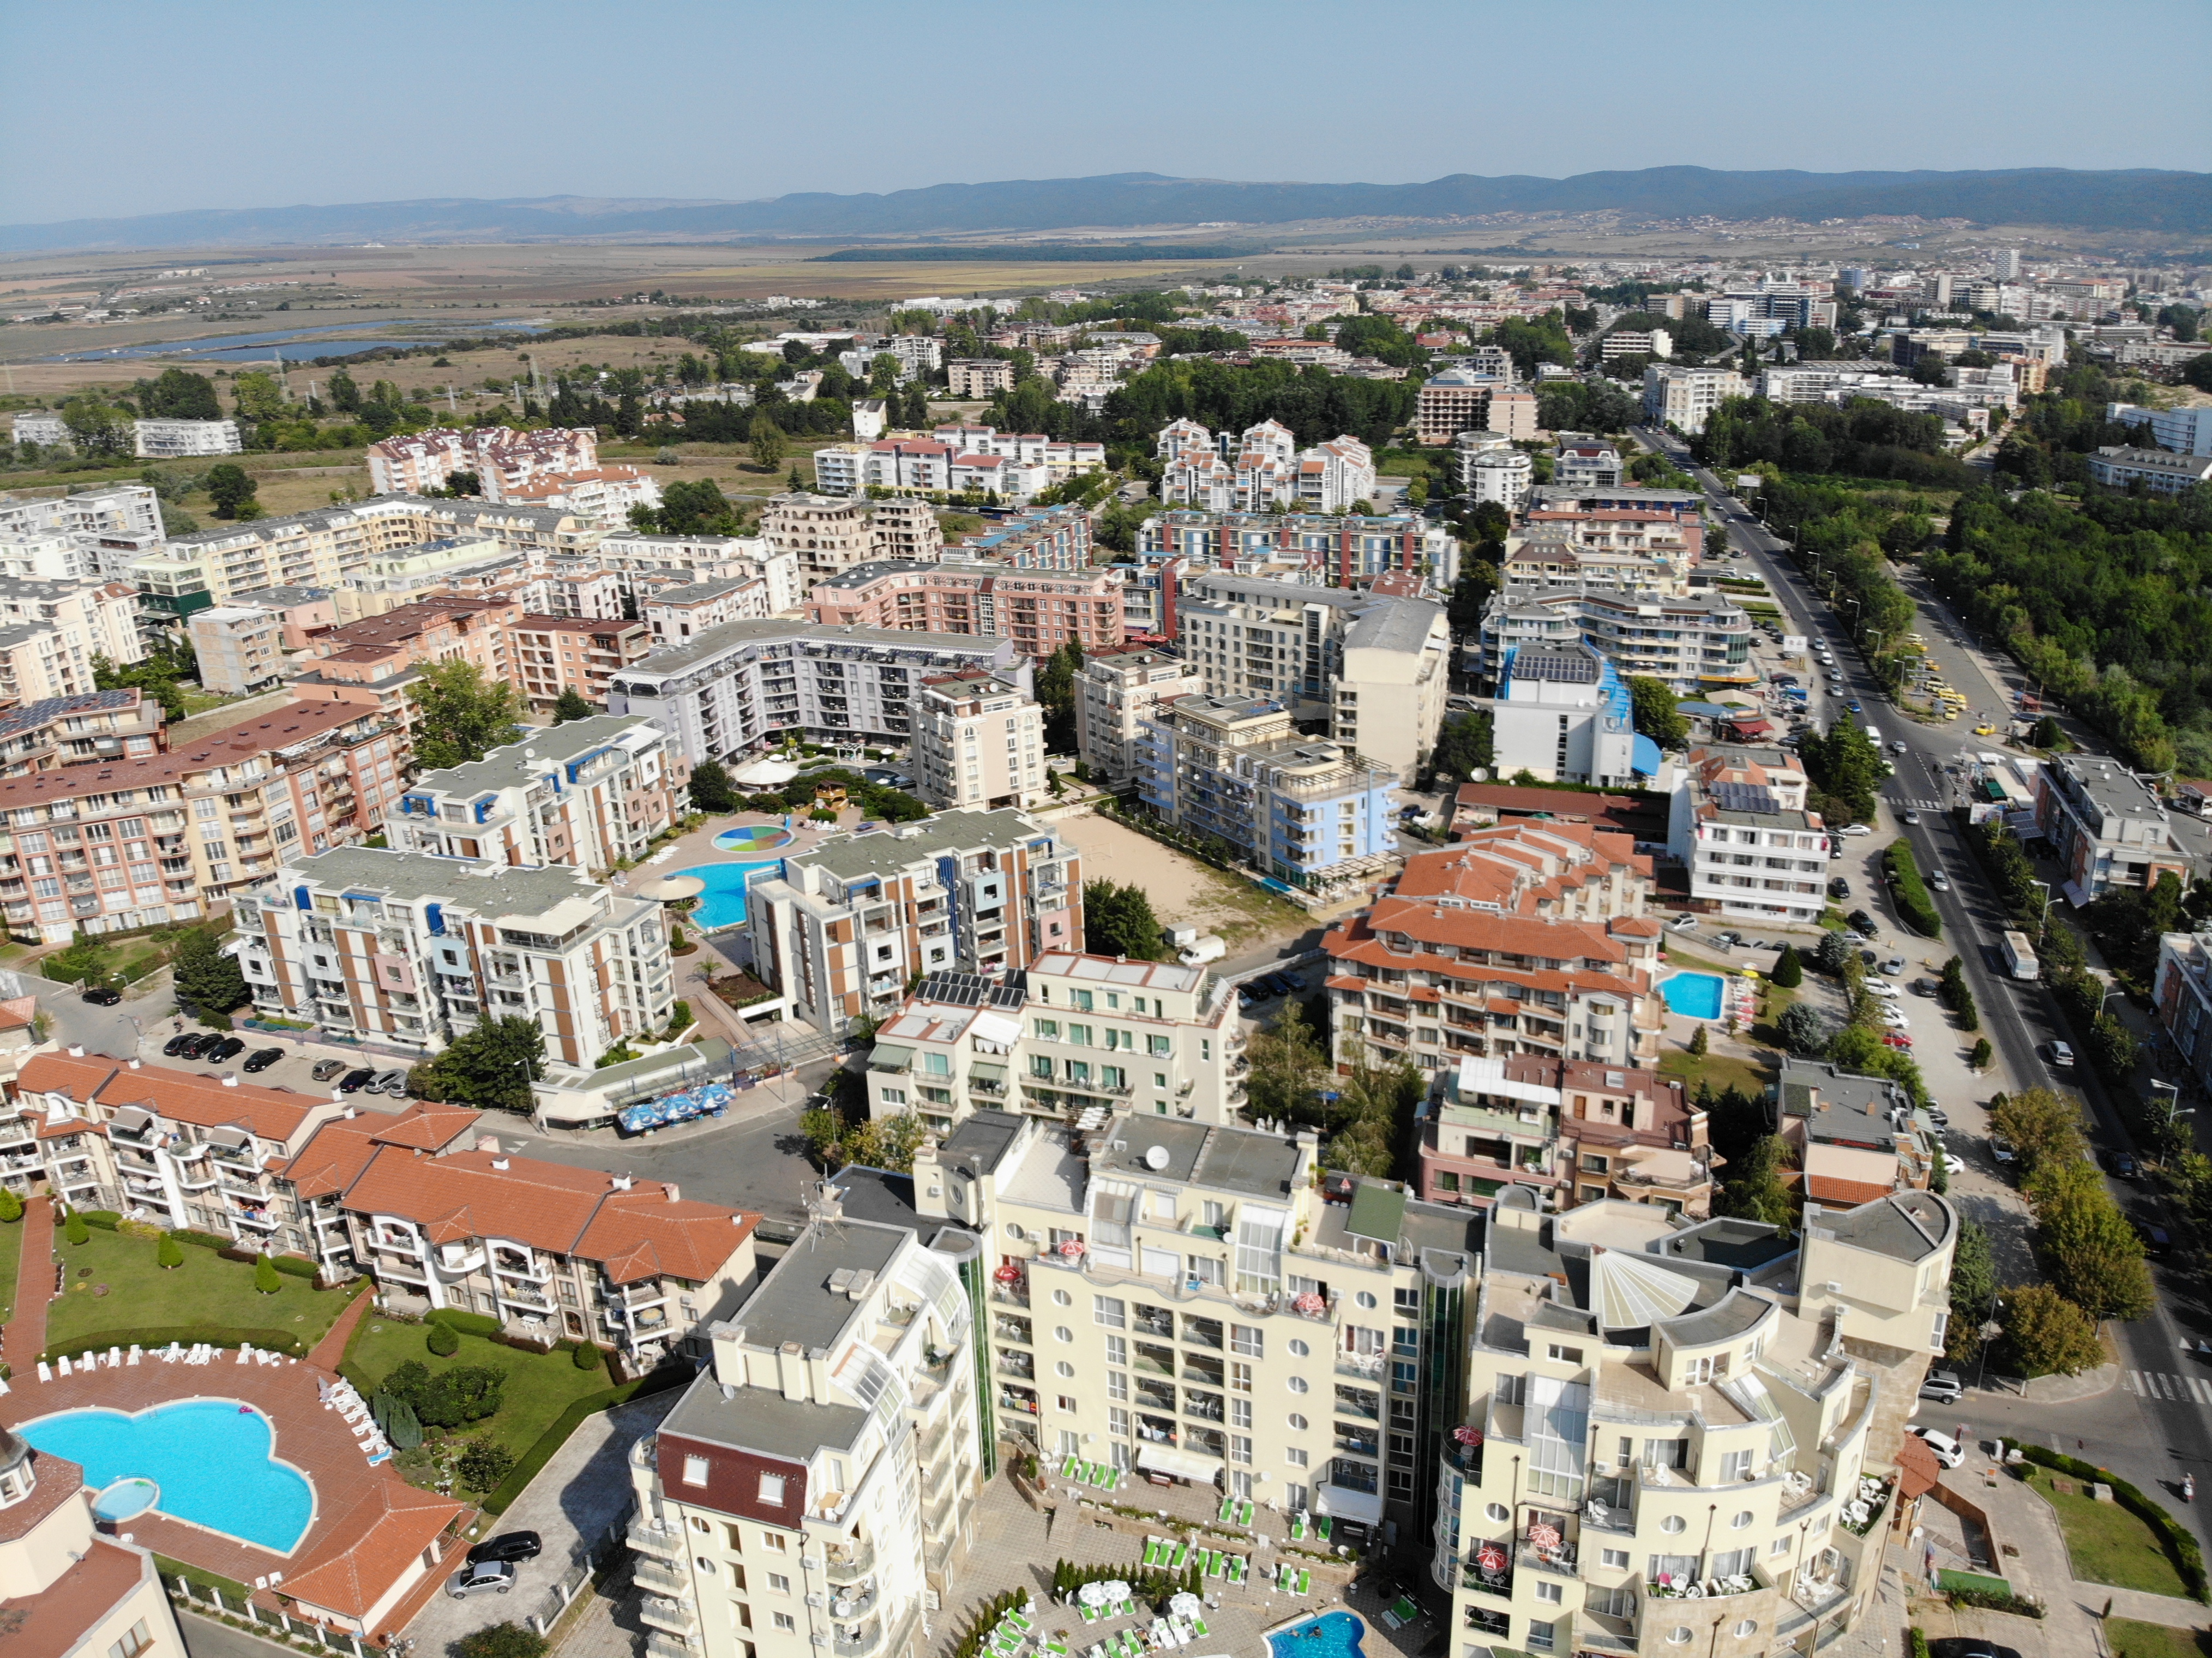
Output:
x,y
1062,1299
697,1524
1741,1520
1495,1513
1297,1384
1298,1348
1062,1332
705,1565
1014,1230
1298,1422
1746,1629
1678,1636
1674,1525
1366,1298
1064,1368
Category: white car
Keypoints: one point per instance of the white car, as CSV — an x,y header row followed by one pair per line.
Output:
x,y
1895,1020
1948,1451
1881,987
1855,828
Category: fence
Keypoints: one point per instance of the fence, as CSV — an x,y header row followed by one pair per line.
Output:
x,y
604,1557
280,1624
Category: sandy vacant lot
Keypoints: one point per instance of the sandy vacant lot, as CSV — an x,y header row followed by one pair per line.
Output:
x,y
1182,888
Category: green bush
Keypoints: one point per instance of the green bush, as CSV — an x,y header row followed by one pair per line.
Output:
x,y
200,1240
168,1254
444,1340
266,1279
11,1205
1916,1642
107,1219
482,1464
1914,907
75,1230
2179,1542
469,1324
508,1640
587,1356
1990,1600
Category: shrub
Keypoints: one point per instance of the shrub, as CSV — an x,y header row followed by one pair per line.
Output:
x,y
450,1398
1991,1600
1700,1043
1982,1054
2179,1542
168,1254
268,1341
11,1205
266,1279
1914,907
587,1356
1789,971
444,1340
75,1230
501,1641
482,1464
469,1324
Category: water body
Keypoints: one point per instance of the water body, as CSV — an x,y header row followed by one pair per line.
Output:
x,y
323,340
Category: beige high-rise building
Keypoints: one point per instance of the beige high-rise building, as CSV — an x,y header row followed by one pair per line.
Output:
x,y
1682,397
1116,692
978,742
828,535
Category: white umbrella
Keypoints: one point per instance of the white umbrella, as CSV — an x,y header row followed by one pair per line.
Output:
x,y
671,886
1093,1594
1116,1589
1187,1605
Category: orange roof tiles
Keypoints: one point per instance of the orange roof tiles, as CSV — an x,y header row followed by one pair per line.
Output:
x,y
391,1523
428,1126
50,1625
184,1096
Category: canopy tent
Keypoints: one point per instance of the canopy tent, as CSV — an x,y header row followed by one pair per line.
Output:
x,y
1182,1465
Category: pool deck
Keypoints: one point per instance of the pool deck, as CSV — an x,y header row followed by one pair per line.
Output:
x,y
368,1524
692,851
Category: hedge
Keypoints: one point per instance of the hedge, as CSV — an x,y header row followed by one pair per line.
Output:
x,y
2180,1543
1914,907
105,1219
469,1324
297,1266
555,1435
270,1341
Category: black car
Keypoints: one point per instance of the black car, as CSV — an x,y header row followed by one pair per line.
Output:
x,y
1863,924
508,1546
103,996
2156,1241
262,1058
175,1044
2121,1164
197,1044
1839,888
225,1048
355,1081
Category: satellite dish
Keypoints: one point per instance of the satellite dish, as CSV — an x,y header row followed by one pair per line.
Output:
x,y
1156,1158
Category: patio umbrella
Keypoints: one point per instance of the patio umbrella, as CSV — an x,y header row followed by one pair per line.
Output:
x,y
1093,1594
667,887
1116,1589
1186,1604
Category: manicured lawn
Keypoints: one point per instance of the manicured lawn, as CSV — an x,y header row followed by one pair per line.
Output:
x,y
1718,1068
11,1252
2130,1639
2108,1544
539,1386
206,1291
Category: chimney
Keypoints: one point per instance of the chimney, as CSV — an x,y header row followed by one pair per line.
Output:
x,y
76,1052
673,1194
136,1064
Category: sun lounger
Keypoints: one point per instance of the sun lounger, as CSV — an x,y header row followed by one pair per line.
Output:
x,y
1304,1585
1155,1551
1125,1608
1017,1620
1198,1627
1407,1610
1228,1510
136,1355
379,1458
1088,1614
45,1371
1055,1647
62,1365
1181,1557
115,1358
1244,1513
244,1352
1236,1573
1297,1529
1072,1468
1323,1526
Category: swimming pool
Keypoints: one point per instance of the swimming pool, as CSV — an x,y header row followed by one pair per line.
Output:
x,y
755,837
126,1499
723,904
210,1460
1332,1635
1696,994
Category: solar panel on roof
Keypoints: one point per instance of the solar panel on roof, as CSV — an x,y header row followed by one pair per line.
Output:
x,y
1558,667
1745,797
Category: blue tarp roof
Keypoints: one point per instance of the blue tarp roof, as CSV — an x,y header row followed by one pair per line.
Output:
x,y
1647,762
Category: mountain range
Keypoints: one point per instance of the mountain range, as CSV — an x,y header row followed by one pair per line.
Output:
x,y
2132,199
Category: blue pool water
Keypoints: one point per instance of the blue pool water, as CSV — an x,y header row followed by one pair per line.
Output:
x,y
1332,1635
126,1497
211,1461
1696,994
723,904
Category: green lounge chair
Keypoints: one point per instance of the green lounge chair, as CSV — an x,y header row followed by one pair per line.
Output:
x,y
1244,1513
1235,1568
1070,1468
1199,1623
1305,1582
1112,1481
1056,1647
1181,1557
1017,1621
1321,1528
1214,1558
1297,1531
1151,1552
1228,1510
1089,1614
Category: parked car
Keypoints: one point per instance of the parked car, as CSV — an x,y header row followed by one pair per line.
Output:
x,y
1948,1451
393,1081
1939,1116
1896,1039
1896,747
175,1044
103,996
1894,966
326,1069
1882,988
197,1044
497,1577
1683,923
1924,986
355,1081
262,1058
224,1047
1895,1019
508,1546
1942,1386
1839,888
1863,924
2156,1240
1856,828
2120,1163
2003,1149
2060,1054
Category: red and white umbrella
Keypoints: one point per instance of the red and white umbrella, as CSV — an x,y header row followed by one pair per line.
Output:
x,y
1071,1248
1543,1535
1490,1558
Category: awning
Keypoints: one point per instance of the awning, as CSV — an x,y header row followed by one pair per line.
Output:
x,y
989,1072
1645,757
996,1028
1165,1459
889,1056
1346,1504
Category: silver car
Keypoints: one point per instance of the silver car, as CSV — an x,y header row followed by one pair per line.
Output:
x,y
392,1082
485,1577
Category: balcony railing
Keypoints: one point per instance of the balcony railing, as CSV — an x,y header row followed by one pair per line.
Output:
x,y
677,1617
663,1541
654,1574
851,1563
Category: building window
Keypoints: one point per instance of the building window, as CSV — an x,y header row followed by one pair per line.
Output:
x,y
1240,1448
1616,1559
1541,1635
1295,1457
1065,1403
771,1490
1551,1594
695,1470
133,1643
774,1542
783,1620
1110,1311
779,1583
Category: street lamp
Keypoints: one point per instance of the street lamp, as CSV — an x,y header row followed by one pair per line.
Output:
x,y
1990,1331
2044,919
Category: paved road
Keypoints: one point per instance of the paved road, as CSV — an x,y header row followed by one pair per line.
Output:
x,y
2155,1425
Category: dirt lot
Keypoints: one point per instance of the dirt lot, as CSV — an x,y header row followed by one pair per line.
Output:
x,y
1182,888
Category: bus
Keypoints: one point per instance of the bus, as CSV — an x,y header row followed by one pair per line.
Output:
x,y
2019,957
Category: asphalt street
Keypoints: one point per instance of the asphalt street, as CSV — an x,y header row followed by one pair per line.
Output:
x,y
2157,1423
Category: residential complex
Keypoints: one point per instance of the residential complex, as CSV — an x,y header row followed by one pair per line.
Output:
x,y
1465,400
1040,611
239,649
979,377
88,727
52,633
550,655
1304,810
409,949
175,440
77,537
1690,640
1682,397
1487,466
2108,826
978,741
1115,691
503,459
1339,552
840,931
1563,714
2184,431
1738,823
1853,1137
2159,471
1262,469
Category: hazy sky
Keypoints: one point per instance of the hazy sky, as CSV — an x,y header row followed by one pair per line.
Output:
x,y
119,107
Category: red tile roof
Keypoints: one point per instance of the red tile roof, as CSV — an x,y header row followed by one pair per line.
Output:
x,y
53,1623
389,1525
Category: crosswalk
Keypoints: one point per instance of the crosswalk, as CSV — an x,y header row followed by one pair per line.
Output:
x,y
1914,805
2150,1384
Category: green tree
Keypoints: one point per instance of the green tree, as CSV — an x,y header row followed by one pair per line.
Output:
x,y
179,394
1788,969
97,428
259,397
168,1254
1464,744
587,1356
266,1279
2094,1257
1974,1285
501,1641
230,487
483,1463
75,1229
1055,695
491,1065
2044,1126
1118,920
443,1339
767,442
460,718
696,506
1655,714
11,1204
206,978
2046,1334
1803,1030
1289,1069
1756,1190
1833,951
711,789
86,961
1982,1054
1700,1041
570,705
345,394
401,1426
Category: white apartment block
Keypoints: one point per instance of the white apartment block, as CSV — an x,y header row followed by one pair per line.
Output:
x,y
2160,471
979,377
1564,716
51,631
644,564
1636,343
502,457
2184,431
815,1488
1682,397
239,649
840,931
978,742
43,429
1675,1436
1688,641
905,529
407,950
1261,469
1737,821
1116,692
590,792
1077,1031
676,615
174,439
86,537
601,495
1487,467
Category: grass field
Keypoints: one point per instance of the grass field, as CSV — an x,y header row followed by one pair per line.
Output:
x,y
2128,1639
207,1290
11,1253
1718,1068
539,1386
2108,1545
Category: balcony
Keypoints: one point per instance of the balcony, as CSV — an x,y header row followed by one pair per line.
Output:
x,y
851,1563
653,1575
662,1542
676,1616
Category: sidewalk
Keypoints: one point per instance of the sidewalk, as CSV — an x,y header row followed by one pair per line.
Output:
x,y
35,1285
331,1348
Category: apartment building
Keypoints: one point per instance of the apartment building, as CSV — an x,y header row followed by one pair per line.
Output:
x,y
1636,343
601,495
746,684
1464,400
1487,467
841,930
1338,552
979,377
1675,541
239,649
1040,611
2109,827
178,440
1563,714
2181,995
1689,641
591,792
1854,1138
815,1488
1738,821
1061,459
555,1253
978,741
409,949
1259,469
1676,1433
134,842
554,654
907,528
1159,1280
2159,471
1679,396
640,563
1115,691
675,615
80,730
79,1589
43,428
503,459
1520,939
1584,462
1395,673
1167,1040
2182,431
1303,810
51,631
370,662
828,534
94,534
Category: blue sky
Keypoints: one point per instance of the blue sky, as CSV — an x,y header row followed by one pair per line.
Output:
x,y
266,104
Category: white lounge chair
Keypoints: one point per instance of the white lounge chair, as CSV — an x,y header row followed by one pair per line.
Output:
x,y
115,1357
64,1364
45,1371
134,1354
244,1352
